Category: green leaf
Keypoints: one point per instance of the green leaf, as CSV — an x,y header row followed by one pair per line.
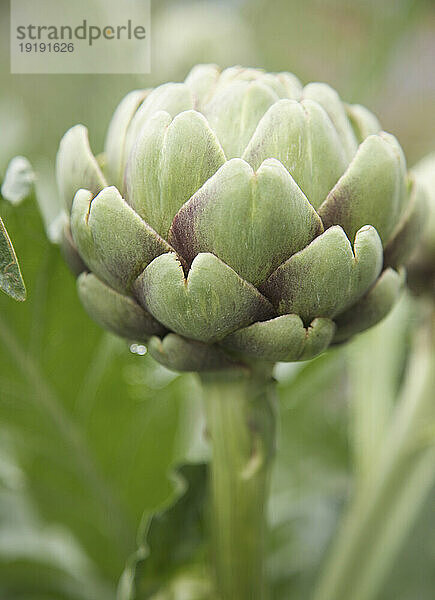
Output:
x,y
11,280
310,477
96,428
375,390
43,558
392,486
412,574
172,541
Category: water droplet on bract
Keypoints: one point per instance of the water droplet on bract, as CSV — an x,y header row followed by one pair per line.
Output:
x,y
139,349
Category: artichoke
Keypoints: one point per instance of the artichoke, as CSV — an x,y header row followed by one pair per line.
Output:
x,y
421,266
238,217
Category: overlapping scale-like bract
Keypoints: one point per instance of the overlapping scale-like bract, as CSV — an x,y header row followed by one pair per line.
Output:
x,y
237,217
421,263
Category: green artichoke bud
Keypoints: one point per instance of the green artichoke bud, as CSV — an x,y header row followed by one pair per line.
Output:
x,y
421,266
238,216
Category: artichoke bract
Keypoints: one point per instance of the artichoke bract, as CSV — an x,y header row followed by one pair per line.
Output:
x,y
238,216
421,266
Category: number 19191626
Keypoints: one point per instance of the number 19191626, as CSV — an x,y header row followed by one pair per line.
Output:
x,y
46,47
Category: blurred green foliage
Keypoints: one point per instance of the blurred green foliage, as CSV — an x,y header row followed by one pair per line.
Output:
x,y
89,431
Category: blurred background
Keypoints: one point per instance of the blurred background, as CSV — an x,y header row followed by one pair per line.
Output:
x,y
90,429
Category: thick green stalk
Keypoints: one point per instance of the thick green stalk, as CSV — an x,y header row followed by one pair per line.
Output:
x,y
241,428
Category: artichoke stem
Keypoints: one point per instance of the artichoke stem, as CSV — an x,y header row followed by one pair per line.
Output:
x,y
241,429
